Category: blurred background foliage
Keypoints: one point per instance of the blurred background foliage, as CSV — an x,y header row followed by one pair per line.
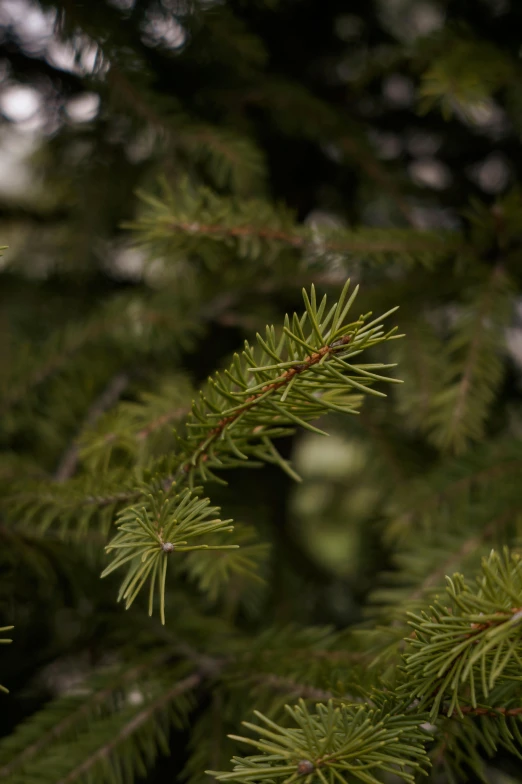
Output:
x,y
171,173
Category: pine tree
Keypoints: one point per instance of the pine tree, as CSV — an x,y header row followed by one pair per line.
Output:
x,y
275,236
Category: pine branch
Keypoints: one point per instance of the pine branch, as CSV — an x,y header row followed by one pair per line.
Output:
x,y
473,365
137,427
69,460
463,651
484,475
231,160
65,716
148,534
332,743
208,224
104,751
120,320
303,374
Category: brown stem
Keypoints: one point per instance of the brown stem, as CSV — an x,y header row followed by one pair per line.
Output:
x,y
470,711
201,454
353,245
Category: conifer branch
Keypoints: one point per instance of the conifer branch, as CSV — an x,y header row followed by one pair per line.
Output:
x,y
421,242
231,159
206,223
486,471
297,377
69,460
473,351
468,547
59,349
131,427
473,367
116,321
104,751
466,648
38,736
354,740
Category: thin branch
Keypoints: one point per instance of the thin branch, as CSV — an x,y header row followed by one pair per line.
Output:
x,y
164,419
62,726
187,684
470,711
201,453
69,460
16,393
468,547
427,243
474,348
462,483
147,430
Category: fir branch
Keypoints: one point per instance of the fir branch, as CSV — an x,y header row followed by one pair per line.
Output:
x,y
35,735
303,374
357,243
128,730
118,320
231,159
212,571
485,474
69,460
373,168
466,649
332,741
473,366
59,349
150,533
468,547
206,223
131,427
473,352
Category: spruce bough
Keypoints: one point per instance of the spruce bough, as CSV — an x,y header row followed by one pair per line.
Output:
x,y
379,145
294,377
455,677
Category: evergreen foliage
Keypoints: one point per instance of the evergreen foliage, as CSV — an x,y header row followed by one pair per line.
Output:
x,y
195,168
